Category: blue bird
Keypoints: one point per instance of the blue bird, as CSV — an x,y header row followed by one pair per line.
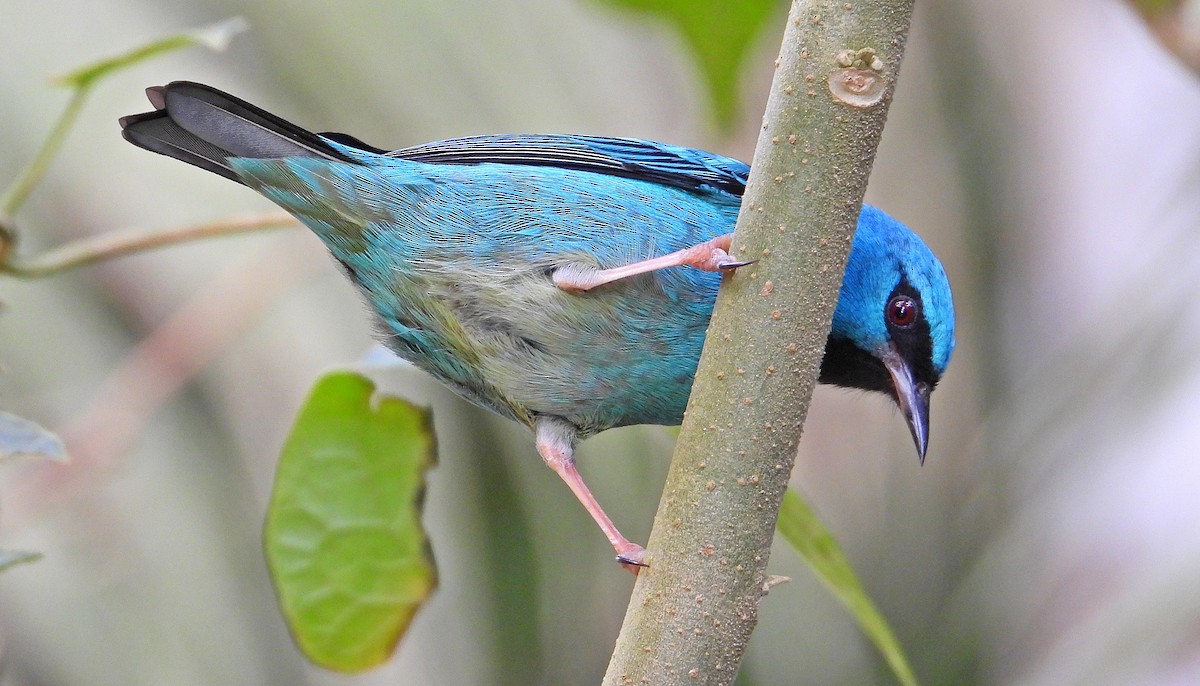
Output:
x,y
537,275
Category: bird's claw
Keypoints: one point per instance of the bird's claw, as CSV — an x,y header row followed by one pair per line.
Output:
x,y
733,264
719,260
632,559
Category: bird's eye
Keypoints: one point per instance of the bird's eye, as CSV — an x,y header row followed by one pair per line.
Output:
x,y
902,311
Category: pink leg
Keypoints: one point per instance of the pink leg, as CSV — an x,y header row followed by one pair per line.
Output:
x,y
710,256
556,445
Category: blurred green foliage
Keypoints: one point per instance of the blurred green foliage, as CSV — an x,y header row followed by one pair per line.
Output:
x,y
1153,8
719,34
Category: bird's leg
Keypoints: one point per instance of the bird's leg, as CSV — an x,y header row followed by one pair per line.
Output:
x,y
556,445
712,256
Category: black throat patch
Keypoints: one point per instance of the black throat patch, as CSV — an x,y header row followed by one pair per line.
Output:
x,y
845,364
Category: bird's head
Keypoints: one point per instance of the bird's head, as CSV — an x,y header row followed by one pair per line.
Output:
x,y
893,329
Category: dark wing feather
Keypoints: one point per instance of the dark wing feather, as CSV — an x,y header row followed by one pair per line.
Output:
x,y
204,126
693,170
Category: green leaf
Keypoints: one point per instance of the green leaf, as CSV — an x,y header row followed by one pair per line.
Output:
x,y
800,526
11,558
719,33
344,542
20,437
214,37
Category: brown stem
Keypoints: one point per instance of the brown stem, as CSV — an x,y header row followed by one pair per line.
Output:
x,y
118,244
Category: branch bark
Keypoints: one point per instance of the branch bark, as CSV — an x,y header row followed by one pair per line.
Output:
x,y
693,610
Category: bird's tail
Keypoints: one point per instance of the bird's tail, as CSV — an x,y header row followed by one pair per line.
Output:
x,y
205,127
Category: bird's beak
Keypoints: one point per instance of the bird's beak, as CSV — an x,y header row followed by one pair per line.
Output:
x,y
912,397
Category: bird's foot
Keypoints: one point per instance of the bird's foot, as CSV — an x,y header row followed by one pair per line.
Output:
x,y
556,444
721,261
711,256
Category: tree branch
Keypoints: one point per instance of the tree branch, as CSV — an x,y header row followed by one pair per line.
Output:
x,y
117,244
693,610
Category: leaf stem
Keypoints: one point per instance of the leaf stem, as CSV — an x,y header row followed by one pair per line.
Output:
x,y
19,191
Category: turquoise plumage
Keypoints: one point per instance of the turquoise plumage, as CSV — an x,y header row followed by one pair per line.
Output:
x,y
506,266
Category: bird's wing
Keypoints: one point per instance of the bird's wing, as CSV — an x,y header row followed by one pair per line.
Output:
x,y
672,165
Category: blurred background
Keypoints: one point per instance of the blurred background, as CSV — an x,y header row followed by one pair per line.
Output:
x,y
1048,151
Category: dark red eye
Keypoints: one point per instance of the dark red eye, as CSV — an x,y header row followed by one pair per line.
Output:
x,y
902,311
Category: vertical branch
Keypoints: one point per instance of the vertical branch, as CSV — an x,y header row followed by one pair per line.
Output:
x,y
693,610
